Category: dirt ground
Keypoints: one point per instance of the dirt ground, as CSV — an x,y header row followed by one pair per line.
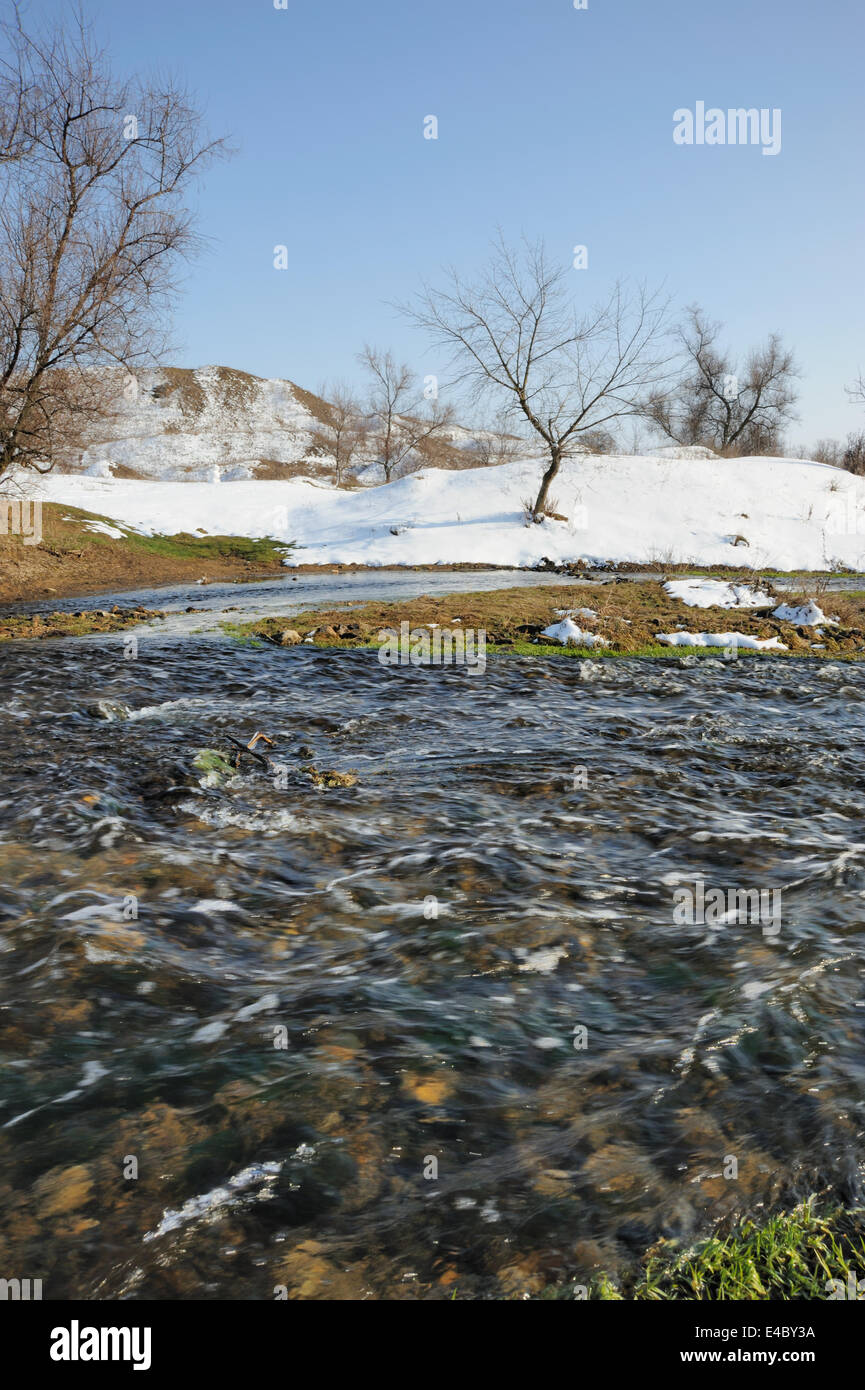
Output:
x,y
72,559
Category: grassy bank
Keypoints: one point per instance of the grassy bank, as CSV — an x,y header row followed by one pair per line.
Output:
x,y
629,616
76,556
39,626
786,1257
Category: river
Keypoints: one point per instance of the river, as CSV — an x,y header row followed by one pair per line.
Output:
x,y
438,1033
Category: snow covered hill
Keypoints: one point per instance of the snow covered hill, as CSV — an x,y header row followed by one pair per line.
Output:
x,y
178,423
188,424
765,512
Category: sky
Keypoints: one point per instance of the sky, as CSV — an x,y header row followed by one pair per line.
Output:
x,y
553,122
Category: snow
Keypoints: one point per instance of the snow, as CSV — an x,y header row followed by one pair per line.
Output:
x,y
806,615
568,633
721,639
192,424
686,451
588,613
716,593
214,424
794,514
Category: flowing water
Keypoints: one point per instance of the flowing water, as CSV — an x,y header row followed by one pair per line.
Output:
x,y
262,1035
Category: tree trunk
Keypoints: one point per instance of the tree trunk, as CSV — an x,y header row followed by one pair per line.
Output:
x,y
549,475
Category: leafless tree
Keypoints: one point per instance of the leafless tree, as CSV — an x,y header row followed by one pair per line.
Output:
x,y
824,451
345,430
714,404
516,332
599,442
853,457
401,421
496,445
94,227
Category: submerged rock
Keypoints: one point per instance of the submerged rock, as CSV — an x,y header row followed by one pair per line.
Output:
x,y
214,765
327,777
590,670
112,710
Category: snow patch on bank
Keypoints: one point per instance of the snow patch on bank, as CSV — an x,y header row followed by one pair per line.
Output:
x,y
793,514
716,593
722,639
569,634
806,615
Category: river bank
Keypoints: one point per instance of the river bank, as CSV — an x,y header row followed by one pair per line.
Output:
x,y
537,614
612,619
79,553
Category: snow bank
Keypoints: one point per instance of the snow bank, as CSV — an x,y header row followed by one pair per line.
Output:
x,y
716,593
807,615
721,639
588,613
793,514
568,633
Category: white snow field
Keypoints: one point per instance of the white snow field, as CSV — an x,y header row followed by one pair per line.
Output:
x,y
765,512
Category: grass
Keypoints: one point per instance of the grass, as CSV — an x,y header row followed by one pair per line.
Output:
x,y
241,634
183,545
629,615
789,1256
73,558
653,650
81,624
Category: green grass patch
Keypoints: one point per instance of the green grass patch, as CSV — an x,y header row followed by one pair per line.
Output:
x,y
791,1256
654,651
74,533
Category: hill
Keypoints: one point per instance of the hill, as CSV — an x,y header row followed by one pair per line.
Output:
x,y
184,424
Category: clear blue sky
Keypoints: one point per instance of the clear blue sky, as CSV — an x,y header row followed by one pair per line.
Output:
x,y
552,122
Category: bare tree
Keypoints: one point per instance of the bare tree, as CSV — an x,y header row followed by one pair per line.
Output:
x,y
94,227
401,420
715,405
600,442
824,451
517,333
495,445
853,457
345,429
